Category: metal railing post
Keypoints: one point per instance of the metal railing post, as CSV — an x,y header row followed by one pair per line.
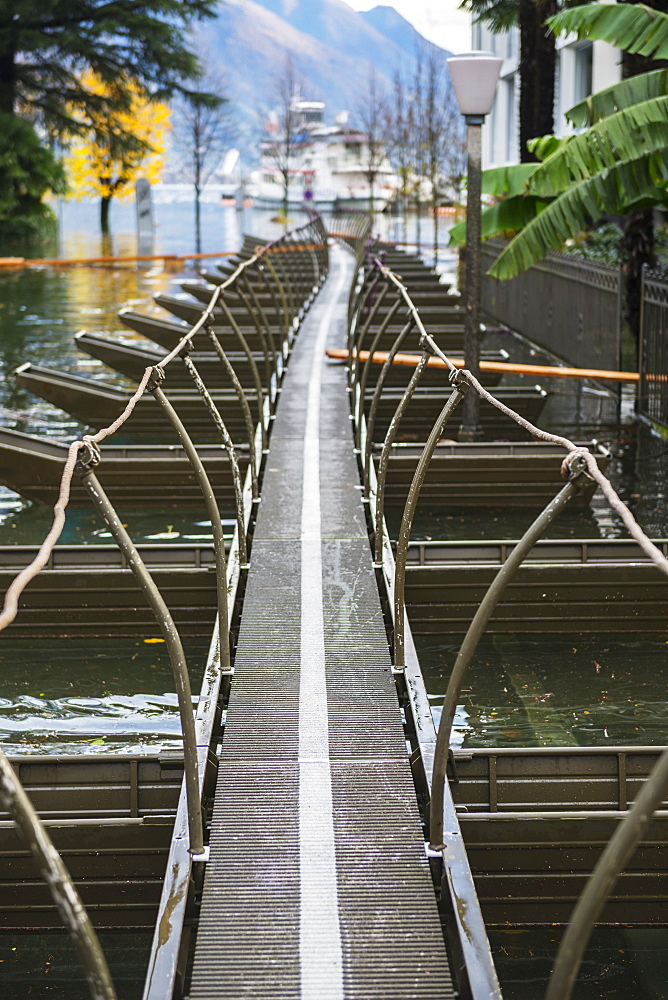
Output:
x,y
618,851
212,510
361,380
259,312
282,307
381,476
231,452
57,877
375,399
245,408
577,471
88,458
257,381
458,391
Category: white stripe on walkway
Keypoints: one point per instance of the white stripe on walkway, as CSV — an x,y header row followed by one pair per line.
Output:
x,y
320,933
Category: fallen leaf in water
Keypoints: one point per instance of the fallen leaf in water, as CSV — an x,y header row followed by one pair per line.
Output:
x,y
154,640
597,667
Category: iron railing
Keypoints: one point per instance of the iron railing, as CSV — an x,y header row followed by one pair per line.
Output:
x,y
652,400
570,307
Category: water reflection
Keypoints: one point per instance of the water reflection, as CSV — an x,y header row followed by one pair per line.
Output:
x,y
619,963
71,695
573,690
46,965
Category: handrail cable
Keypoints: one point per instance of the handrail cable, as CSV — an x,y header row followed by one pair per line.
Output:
x,y
28,573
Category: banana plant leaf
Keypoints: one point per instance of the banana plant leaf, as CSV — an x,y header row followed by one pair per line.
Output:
x,y
621,95
627,186
633,27
621,137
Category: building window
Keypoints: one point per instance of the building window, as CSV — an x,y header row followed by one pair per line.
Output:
x,y
510,150
583,69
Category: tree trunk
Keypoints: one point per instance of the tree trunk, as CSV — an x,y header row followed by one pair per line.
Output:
x,y
537,68
7,79
638,238
198,194
198,221
638,243
105,205
418,235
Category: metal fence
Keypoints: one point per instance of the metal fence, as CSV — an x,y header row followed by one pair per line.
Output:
x,y
570,307
653,391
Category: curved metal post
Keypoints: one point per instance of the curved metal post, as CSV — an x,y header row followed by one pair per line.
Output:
x,y
279,263
385,454
259,311
601,882
257,381
232,454
375,399
57,877
362,381
245,409
269,361
213,512
368,285
477,627
170,634
283,253
360,334
282,309
458,391
356,286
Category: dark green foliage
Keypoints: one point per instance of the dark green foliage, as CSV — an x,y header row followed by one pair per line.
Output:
x,y
27,172
605,245
45,45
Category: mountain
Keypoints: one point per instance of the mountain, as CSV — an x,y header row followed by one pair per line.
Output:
x,y
331,45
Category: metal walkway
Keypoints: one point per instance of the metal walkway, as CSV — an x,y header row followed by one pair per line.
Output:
x,y
317,886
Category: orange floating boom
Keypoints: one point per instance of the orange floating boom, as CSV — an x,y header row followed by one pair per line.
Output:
x,y
67,262
550,371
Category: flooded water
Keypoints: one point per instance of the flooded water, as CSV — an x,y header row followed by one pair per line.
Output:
x,y
66,696
619,964
572,690
45,966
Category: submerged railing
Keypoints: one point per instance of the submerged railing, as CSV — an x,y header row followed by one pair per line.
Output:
x,y
382,304
291,269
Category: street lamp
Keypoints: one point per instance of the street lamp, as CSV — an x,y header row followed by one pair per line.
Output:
x,y
474,77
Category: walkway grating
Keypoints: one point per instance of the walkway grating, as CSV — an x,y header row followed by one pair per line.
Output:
x,y
317,887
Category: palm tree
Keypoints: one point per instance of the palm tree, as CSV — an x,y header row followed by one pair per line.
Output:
x,y
537,59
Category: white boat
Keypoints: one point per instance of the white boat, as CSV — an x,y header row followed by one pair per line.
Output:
x,y
328,165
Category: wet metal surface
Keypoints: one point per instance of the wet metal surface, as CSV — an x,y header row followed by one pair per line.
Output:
x,y
314,721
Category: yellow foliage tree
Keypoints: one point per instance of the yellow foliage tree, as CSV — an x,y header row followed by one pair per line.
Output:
x,y
126,135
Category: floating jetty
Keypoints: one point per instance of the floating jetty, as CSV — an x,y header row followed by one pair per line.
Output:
x,y
318,836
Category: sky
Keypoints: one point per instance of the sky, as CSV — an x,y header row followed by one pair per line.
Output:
x,y
438,20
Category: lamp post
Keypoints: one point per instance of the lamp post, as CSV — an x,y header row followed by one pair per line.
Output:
x,y
474,77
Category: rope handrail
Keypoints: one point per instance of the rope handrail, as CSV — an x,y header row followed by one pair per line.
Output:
x,y
629,521
28,573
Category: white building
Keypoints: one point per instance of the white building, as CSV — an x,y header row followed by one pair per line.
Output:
x,y
582,67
